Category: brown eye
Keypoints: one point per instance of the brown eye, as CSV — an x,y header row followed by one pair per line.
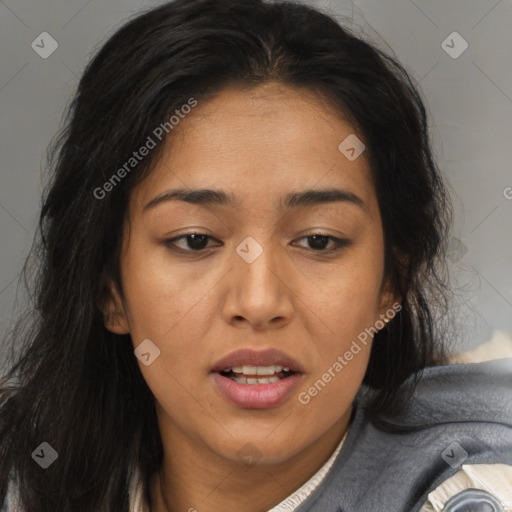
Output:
x,y
317,242
194,242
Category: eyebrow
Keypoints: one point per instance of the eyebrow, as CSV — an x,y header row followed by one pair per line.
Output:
x,y
205,197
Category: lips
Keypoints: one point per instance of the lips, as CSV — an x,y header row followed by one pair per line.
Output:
x,y
256,396
248,357
251,379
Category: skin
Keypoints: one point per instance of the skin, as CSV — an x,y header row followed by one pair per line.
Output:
x,y
199,307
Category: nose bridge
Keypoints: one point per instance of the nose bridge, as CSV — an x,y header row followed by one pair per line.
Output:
x,y
254,266
258,294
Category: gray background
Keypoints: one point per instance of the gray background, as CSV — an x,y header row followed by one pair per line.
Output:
x,y
469,102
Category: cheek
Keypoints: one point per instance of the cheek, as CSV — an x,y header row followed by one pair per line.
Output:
x,y
348,309
165,305
158,296
328,394
343,347
177,400
345,302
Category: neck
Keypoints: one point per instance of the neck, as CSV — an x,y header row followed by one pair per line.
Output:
x,y
197,480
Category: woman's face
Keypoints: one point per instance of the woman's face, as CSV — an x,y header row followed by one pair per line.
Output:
x,y
256,280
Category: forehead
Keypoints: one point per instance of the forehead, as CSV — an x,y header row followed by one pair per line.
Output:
x,y
258,144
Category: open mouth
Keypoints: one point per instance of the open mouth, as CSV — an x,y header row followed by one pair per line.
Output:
x,y
268,382
253,375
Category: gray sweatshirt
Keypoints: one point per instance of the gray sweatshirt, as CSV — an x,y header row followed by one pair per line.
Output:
x,y
459,414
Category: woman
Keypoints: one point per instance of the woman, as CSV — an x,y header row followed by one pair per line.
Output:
x,y
241,275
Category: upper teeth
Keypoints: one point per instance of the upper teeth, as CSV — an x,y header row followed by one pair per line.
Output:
x,y
257,370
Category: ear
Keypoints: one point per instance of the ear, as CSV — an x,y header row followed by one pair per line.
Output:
x,y
390,302
112,307
390,297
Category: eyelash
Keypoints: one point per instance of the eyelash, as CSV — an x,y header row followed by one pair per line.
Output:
x,y
340,243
